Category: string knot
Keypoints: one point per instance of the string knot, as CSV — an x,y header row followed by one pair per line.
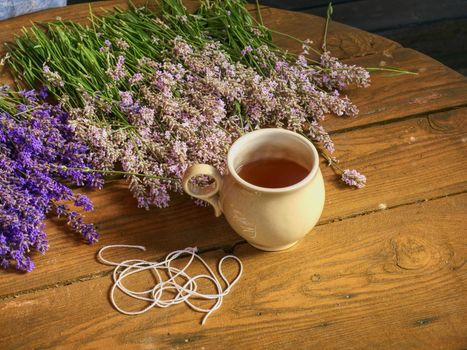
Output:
x,y
179,281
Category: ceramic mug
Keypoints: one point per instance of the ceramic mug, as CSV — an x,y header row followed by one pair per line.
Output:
x,y
268,218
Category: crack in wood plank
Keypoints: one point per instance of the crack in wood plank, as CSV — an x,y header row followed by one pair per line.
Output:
x,y
395,120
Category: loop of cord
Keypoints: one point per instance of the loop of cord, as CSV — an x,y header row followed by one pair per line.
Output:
x,y
183,291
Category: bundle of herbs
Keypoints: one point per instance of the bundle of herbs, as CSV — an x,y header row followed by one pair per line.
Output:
x,y
146,93
40,159
151,92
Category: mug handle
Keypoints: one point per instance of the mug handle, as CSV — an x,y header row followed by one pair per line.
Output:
x,y
208,194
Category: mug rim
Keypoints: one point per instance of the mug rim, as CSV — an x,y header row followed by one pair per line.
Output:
x,y
312,173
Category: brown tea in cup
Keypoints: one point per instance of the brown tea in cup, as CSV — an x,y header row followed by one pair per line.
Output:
x,y
272,193
273,173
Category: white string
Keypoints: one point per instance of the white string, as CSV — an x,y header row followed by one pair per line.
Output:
x,y
183,291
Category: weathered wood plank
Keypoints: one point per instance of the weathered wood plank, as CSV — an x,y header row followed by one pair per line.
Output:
x,y
395,279
436,87
410,160
343,41
405,162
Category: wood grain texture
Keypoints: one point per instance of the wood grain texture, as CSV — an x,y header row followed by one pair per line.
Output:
x,y
436,87
405,162
392,280
365,278
343,41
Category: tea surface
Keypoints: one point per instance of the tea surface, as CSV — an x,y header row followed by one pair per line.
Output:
x,y
273,173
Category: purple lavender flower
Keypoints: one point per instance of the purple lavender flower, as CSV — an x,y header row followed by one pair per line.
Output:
x,y
29,95
21,107
353,178
118,72
137,77
75,221
126,99
84,202
43,92
246,50
37,150
107,46
4,90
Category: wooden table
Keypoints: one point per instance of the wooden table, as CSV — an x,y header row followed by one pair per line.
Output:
x,y
384,269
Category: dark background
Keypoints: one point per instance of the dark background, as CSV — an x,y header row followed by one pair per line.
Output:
x,y
436,28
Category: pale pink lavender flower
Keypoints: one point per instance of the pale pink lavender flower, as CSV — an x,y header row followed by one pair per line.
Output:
x,y
337,75
117,72
189,107
181,48
52,77
160,23
301,61
182,18
126,99
147,116
122,44
155,39
136,78
256,31
353,178
246,50
306,46
107,46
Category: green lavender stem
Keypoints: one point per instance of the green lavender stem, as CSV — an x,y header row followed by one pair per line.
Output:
x,y
117,172
328,19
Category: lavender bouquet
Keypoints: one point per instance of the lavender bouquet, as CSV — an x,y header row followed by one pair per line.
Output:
x,y
150,93
145,94
40,159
